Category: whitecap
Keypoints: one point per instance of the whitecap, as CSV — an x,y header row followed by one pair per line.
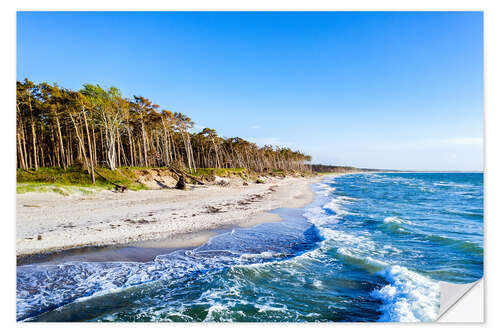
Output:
x,y
409,296
397,220
334,205
318,284
268,307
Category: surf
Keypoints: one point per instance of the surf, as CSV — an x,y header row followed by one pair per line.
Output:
x,y
361,251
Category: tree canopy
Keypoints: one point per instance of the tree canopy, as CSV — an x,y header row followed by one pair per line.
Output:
x,y
97,126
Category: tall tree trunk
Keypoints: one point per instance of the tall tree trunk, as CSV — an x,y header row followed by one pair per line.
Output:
x,y
42,155
61,143
94,144
90,148
131,148
118,143
81,143
21,141
102,147
168,155
22,162
216,154
33,132
144,142
55,148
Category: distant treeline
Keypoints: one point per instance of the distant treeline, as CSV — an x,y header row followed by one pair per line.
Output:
x,y
339,169
58,127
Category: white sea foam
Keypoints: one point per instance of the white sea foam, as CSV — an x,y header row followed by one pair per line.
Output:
x,y
263,255
215,309
318,284
409,296
397,220
368,262
359,247
452,184
391,248
334,205
324,189
268,307
353,242
43,287
318,217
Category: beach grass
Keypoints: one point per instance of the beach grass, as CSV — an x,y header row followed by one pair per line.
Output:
x,y
61,180
220,172
55,188
76,179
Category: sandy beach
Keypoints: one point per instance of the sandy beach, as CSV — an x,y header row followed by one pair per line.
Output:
x,y
48,222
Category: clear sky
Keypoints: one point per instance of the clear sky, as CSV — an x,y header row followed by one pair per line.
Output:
x,y
381,90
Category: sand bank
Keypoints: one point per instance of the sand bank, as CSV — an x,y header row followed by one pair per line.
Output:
x,y
48,222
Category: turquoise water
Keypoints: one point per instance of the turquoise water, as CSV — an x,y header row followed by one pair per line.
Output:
x,y
371,247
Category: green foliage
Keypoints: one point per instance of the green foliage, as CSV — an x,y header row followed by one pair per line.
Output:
x,y
74,176
58,127
53,188
70,176
220,172
260,181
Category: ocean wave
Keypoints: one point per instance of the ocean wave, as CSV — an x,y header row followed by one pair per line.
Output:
x,y
368,263
464,213
324,189
216,312
42,288
394,228
397,220
391,248
263,255
357,249
267,307
318,217
427,189
451,184
269,273
334,206
341,238
462,245
397,225
335,203
409,296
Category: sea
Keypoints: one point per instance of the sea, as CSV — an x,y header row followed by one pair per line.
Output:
x,y
370,247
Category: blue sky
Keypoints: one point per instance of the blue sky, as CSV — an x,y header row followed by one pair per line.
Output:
x,y
381,90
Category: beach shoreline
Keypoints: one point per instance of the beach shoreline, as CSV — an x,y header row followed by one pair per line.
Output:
x,y
49,222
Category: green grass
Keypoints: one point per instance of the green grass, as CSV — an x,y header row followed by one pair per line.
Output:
x,y
54,188
78,180
58,180
145,168
221,172
122,176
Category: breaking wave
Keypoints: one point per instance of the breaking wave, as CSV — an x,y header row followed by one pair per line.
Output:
x,y
409,297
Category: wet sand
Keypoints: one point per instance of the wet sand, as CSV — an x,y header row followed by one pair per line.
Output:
x,y
154,219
